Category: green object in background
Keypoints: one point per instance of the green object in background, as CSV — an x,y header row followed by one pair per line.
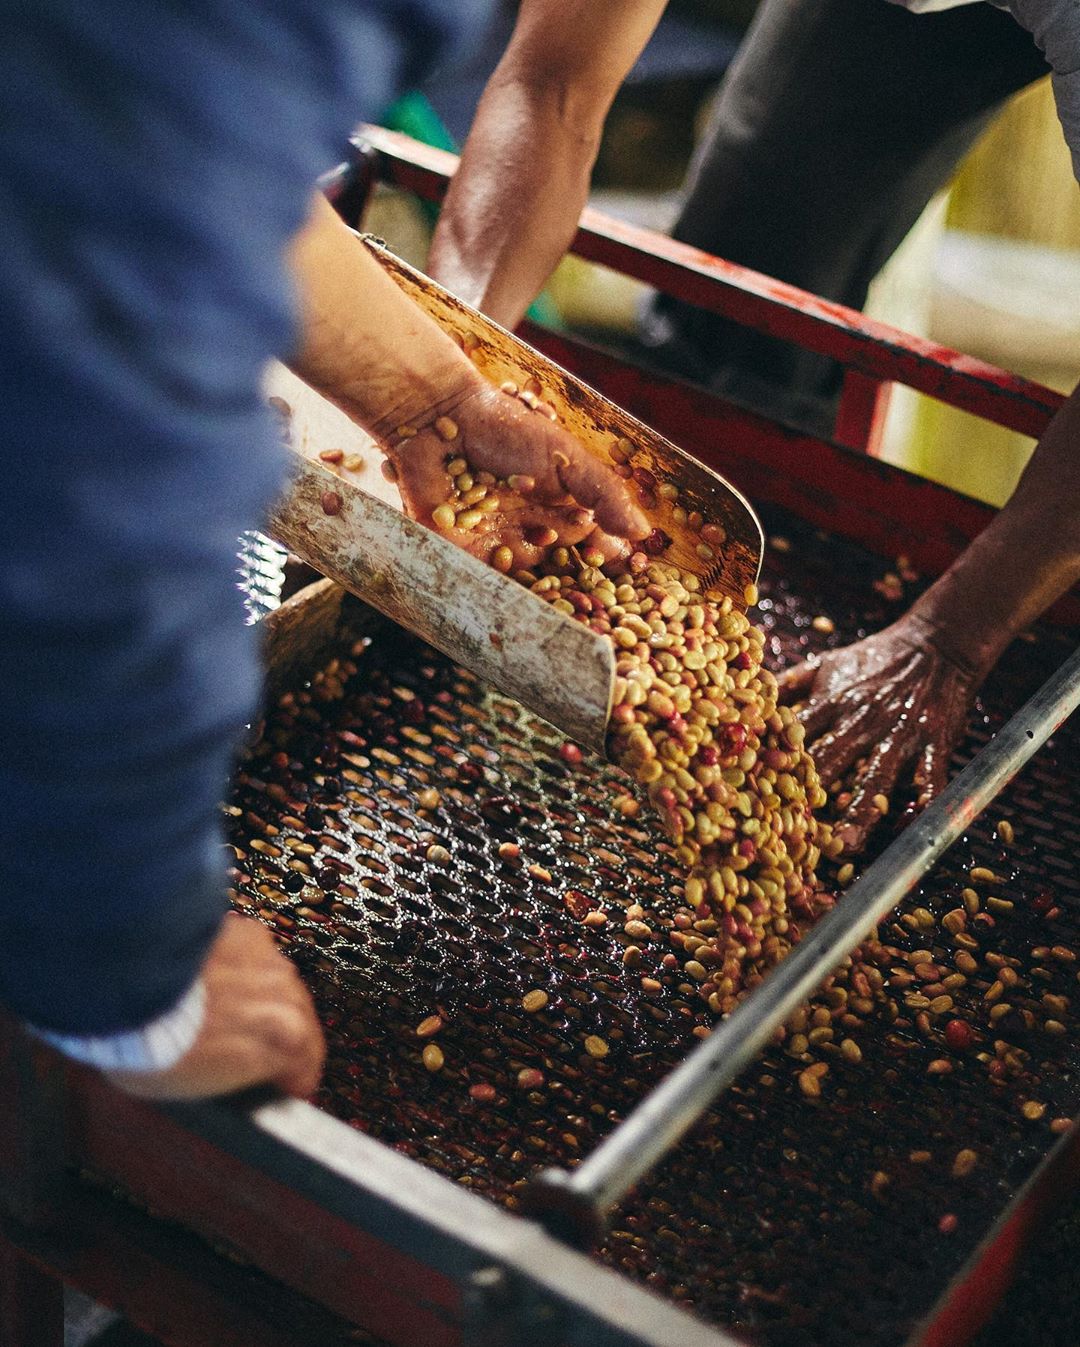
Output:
x,y
413,115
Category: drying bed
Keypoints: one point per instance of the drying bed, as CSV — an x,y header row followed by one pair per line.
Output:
x,y
786,1219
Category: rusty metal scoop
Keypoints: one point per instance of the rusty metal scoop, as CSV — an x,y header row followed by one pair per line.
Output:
x,y
478,617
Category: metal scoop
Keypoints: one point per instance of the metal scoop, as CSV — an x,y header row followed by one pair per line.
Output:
x,y
344,519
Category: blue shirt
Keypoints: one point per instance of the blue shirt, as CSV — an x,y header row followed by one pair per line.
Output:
x,y
155,160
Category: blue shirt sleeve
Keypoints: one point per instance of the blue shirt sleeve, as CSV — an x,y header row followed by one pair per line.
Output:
x,y
155,161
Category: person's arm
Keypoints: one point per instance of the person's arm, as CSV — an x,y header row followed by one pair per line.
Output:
x,y
257,1026
377,355
247,1020
141,318
514,203
901,697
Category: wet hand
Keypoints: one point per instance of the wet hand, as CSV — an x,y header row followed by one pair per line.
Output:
x,y
559,494
896,701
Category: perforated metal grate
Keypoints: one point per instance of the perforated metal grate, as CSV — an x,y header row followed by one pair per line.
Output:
x,y
767,1219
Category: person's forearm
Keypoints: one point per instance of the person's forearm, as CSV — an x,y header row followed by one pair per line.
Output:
x,y
513,207
367,347
364,344
514,203
1019,565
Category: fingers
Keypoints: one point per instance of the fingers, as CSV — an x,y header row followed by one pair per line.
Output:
x,y
796,684
421,477
284,1049
292,1045
932,770
594,485
611,547
565,473
497,434
879,780
525,523
891,695
942,724
266,995
837,751
530,533
819,715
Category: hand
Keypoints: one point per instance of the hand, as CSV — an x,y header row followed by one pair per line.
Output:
x,y
571,492
385,363
259,1027
894,699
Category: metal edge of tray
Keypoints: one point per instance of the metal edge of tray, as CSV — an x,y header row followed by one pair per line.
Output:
x,y
531,1278
297,1177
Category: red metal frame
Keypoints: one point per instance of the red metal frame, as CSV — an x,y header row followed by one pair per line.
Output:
x,y
969,1304
887,509
860,416
876,350
345,1269
167,1282
31,1302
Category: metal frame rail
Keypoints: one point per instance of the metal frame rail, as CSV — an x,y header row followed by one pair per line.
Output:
x,y
875,354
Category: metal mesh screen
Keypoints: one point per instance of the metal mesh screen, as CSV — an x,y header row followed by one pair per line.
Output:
x,y
769,1219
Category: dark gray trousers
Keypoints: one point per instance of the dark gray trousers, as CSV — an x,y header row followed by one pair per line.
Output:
x,y
835,125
